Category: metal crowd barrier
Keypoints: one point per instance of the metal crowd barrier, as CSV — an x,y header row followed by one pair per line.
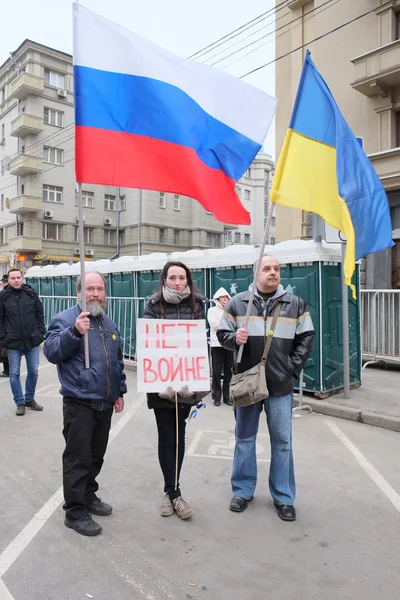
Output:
x,y
123,311
380,319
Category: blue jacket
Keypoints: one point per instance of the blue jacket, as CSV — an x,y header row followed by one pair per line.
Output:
x,y
104,382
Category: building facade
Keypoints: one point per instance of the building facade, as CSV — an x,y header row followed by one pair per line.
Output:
x,y
38,201
361,64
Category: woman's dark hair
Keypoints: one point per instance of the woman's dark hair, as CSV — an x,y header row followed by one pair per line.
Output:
x,y
192,286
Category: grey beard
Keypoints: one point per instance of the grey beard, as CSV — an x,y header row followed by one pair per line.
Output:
x,y
94,308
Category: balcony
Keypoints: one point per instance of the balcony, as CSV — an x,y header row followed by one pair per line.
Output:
x,y
377,71
25,125
387,166
24,204
26,85
25,242
26,165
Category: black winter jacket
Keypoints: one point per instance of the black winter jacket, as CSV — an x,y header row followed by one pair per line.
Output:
x,y
291,344
21,318
175,312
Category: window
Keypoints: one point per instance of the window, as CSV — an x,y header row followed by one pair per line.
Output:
x,y
55,156
273,221
2,202
397,32
176,237
110,237
162,201
213,240
177,202
248,173
51,231
3,95
87,199
53,117
52,193
22,188
109,202
122,203
122,237
247,238
272,241
228,237
238,190
398,129
88,234
3,131
247,194
53,78
161,236
20,229
237,237
1,236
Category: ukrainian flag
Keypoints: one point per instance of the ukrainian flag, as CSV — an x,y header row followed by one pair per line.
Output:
x,y
323,169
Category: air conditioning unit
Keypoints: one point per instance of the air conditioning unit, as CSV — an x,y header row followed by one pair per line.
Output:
x,y
48,214
76,251
89,252
107,221
62,93
77,218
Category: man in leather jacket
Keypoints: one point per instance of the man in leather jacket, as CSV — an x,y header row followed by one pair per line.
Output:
x,y
22,330
291,345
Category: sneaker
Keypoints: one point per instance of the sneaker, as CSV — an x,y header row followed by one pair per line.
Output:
x,y
33,405
20,410
166,508
182,508
84,526
99,508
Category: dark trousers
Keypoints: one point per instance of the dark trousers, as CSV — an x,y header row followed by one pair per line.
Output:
x,y
86,437
221,358
6,366
166,425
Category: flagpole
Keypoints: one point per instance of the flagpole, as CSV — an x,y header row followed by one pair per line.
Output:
x,y
256,274
82,265
139,235
345,323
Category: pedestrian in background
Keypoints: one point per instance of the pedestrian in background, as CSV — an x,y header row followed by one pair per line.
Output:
x,y
22,330
221,358
3,351
89,398
177,298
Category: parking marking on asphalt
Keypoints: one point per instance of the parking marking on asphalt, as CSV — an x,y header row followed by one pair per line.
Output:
x,y
209,443
376,477
18,544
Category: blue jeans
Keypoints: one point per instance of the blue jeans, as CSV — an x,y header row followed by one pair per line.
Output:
x,y
32,366
281,474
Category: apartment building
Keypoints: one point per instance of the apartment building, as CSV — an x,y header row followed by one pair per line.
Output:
x,y
38,203
361,64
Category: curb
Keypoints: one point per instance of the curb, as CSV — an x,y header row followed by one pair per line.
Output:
x,y
352,414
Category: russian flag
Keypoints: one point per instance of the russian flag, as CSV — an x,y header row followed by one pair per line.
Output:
x,y
147,119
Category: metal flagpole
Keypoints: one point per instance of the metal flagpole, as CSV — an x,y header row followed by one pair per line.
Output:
x,y
256,274
139,236
346,340
82,265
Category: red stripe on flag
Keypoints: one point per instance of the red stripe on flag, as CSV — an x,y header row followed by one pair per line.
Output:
x,y
107,157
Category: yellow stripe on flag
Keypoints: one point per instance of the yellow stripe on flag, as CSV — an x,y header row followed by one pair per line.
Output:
x,y
305,178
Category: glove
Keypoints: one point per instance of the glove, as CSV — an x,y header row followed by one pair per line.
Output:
x,y
168,394
185,392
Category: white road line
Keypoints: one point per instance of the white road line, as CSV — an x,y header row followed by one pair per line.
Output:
x,y
4,592
261,460
18,545
376,477
194,443
7,379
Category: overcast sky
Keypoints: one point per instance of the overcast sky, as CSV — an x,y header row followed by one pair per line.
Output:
x,y
181,26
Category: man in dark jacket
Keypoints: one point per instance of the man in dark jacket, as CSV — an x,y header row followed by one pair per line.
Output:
x,y
22,330
89,398
289,351
3,351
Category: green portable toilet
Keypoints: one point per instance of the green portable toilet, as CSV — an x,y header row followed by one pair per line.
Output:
x,y
310,270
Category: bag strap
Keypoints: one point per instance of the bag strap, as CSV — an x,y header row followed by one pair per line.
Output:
x,y
270,334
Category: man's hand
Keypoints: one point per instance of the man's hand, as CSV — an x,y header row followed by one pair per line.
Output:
x,y
119,405
242,336
82,322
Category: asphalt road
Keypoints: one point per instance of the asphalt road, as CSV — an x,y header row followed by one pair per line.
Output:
x,y
344,543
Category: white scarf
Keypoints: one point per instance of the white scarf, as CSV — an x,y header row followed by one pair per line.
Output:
x,y
174,296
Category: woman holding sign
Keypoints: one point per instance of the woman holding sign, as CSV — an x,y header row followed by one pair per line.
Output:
x,y
177,298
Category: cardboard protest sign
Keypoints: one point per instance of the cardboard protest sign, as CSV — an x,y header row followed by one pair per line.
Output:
x,y
172,353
